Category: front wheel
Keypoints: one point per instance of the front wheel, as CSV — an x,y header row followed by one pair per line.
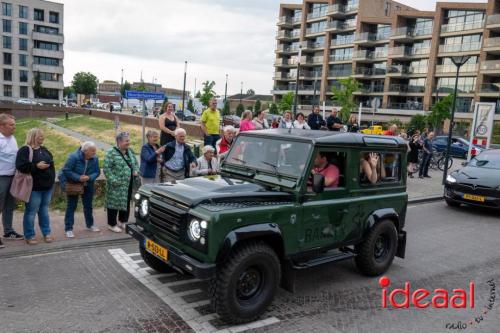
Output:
x,y
246,284
155,263
441,162
376,253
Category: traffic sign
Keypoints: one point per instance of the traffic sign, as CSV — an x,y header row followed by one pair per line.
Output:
x,y
144,95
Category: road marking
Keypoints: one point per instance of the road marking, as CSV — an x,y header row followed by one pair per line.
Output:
x,y
176,299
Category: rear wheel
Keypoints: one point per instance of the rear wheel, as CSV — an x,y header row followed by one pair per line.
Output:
x,y
376,253
155,263
441,162
246,284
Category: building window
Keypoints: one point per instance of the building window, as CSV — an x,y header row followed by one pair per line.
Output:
x,y
23,28
7,90
23,12
48,76
7,26
46,61
46,45
23,92
7,42
6,9
54,17
50,93
23,76
7,59
38,15
23,60
46,30
23,44
7,74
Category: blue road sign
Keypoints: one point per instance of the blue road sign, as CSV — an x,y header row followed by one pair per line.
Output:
x,y
132,94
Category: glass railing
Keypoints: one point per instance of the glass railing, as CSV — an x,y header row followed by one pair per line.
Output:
x,y
311,74
494,19
462,26
462,89
315,15
489,65
285,20
340,73
342,9
311,31
409,105
371,89
366,36
492,42
370,71
411,32
341,57
288,34
405,88
459,47
312,60
408,51
490,88
338,25
407,70
467,68
342,42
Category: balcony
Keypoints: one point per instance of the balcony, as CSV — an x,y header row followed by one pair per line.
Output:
x,y
469,48
451,70
281,90
407,71
284,76
490,67
312,61
339,73
48,53
459,28
492,45
368,38
365,72
285,21
53,38
406,34
338,26
409,105
462,90
310,75
315,31
342,42
403,52
287,49
489,90
405,89
288,35
340,11
369,56
285,63
341,58
48,69
310,46
316,16
53,84
493,22
375,89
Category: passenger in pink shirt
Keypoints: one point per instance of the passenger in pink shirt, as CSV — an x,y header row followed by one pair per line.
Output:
x,y
329,171
246,123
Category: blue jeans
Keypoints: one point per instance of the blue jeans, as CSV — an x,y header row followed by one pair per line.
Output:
x,y
72,202
38,204
424,167
211,140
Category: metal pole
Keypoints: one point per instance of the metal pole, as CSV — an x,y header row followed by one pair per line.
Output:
x,y
241,92
450,129
315,81
143,122
184,89
295,97
225,91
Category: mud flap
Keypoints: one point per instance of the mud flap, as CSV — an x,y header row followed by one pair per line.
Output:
x,y
288,276
401,245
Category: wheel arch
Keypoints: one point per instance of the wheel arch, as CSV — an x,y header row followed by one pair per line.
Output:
x,y
383,214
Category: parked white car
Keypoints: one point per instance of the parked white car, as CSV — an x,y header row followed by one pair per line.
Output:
x,y
116,106
27,101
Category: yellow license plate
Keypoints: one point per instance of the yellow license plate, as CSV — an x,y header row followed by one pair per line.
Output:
x,y
474,197
156,249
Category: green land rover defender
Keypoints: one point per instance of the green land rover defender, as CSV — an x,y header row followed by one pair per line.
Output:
x,y
270,213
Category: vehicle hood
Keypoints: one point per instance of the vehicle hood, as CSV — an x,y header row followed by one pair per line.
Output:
x,y
478,176
214,189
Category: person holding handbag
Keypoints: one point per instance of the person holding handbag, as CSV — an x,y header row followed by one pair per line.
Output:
x,y
41,168
77,179
121,170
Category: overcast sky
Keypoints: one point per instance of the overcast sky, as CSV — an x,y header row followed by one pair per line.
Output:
x,y
216,37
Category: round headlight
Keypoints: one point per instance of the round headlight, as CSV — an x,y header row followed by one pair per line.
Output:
x,y
203,224
194,230
137,196
450,179
144,208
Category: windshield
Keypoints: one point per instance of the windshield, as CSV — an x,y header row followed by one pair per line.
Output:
x,y
271,155
486,160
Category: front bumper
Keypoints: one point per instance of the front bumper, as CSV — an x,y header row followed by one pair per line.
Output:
x,y
458,197
176,257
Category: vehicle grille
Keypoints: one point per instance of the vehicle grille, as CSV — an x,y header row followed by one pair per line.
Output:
x,y
476,189
166,217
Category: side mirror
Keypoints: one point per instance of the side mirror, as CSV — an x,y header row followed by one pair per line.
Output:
x,y
464,164
318,183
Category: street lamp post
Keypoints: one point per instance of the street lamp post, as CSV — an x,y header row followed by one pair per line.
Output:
x,y
184,89
225,91
459,61
295,97
241,93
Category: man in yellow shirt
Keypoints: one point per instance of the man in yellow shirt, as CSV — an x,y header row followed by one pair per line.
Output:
x,y
210,124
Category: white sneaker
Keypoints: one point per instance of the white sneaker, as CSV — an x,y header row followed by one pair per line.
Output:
x,y
70,234
93,229
116,228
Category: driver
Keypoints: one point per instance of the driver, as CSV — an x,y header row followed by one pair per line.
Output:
x,y
329,171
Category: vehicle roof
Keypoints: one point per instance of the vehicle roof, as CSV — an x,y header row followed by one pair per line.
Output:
x,y
331,138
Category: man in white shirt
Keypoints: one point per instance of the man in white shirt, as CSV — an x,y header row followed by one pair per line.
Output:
x,y
8,152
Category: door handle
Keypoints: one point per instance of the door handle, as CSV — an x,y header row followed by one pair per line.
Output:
x,y
344,211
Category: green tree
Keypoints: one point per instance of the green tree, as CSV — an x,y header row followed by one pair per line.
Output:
x,y
418,122
198,94
250,108
190,105
37,86
286,102
125,86
344,96
68,91
85,83
142,86
258,106
440,111
250,92
273,108
239,110
207,92
226,111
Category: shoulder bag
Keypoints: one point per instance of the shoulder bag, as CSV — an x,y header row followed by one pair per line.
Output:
x,y
22,183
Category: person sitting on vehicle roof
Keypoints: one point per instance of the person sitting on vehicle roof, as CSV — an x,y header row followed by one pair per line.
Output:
x,y
328,170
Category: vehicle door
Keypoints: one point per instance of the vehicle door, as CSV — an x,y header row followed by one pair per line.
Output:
x,y
323,214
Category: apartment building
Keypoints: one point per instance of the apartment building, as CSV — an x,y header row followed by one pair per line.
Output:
x,y
32,46
400,55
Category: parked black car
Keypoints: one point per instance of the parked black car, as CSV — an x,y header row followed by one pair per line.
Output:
x,y
186,116
477,184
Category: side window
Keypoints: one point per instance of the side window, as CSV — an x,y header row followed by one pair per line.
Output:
x,y
378,168
332,165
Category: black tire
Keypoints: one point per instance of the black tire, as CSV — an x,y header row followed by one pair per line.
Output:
x,y
452,203
441,161
376,253
155,263
246,283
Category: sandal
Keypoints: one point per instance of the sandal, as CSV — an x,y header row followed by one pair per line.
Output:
x,y
48,239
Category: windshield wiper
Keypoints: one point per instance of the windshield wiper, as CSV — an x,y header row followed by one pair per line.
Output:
x,y
239,160
275,168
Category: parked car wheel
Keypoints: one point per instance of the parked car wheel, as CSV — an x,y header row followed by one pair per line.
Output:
x,y
452,203
246,283
376,253
155,263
